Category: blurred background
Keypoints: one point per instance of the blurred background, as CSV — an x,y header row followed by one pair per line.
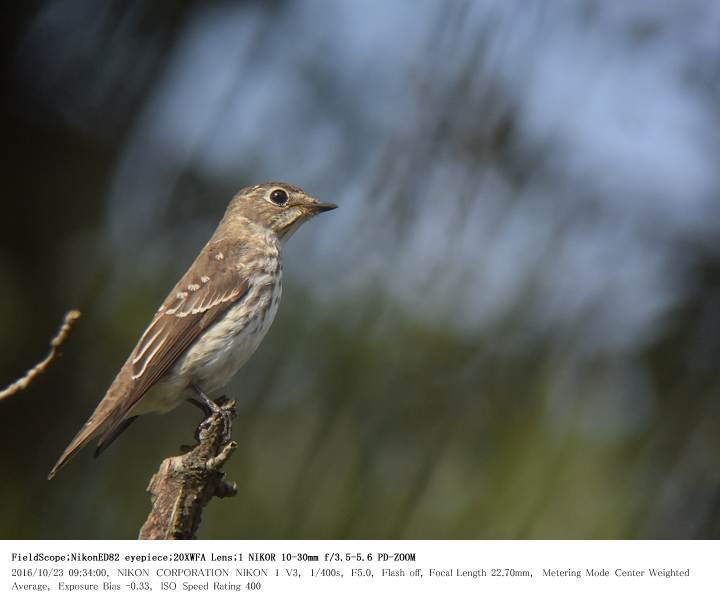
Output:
x,y
509,329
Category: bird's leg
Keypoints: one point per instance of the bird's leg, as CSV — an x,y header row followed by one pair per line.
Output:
x,y
205,403
210,408
207,413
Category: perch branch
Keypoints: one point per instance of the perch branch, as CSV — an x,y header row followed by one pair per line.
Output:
x,y
185,484
68,322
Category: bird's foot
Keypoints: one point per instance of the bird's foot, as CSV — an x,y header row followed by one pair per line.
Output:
x,y
204,402
223,408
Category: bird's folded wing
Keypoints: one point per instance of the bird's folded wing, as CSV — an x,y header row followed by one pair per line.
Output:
x,y
199,299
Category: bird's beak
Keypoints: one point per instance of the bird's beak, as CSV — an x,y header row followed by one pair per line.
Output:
x,y
315,207
325,207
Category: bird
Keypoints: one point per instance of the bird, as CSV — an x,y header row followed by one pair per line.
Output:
x,y
212,321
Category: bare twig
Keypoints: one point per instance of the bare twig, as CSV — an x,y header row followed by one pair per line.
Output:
x,y
185,484
70,318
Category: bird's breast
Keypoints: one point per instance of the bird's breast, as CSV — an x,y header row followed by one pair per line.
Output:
x,y
227,345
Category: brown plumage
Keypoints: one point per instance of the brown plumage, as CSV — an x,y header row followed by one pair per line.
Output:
x,y
212,320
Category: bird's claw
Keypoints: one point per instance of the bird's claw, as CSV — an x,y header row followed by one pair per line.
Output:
x,y
211,409
226,419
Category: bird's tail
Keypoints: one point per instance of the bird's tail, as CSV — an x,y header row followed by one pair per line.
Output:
x,y
97,424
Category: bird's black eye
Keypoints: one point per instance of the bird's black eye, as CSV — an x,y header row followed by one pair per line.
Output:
x,y
279,197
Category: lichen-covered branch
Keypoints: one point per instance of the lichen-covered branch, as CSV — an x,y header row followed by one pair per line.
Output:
x,y
185,484
20,384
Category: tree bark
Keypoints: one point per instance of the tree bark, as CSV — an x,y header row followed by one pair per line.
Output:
x,y
185,484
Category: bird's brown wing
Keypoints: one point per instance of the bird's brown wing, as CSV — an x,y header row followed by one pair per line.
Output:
x,y
193,306
209,288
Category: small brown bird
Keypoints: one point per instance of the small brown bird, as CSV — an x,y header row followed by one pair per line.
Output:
x,y
214,318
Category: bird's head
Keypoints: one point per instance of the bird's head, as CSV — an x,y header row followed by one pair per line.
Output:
x,y
278,206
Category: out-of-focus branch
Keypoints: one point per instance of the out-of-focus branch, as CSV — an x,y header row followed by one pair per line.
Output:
x,y
68,322
185,484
